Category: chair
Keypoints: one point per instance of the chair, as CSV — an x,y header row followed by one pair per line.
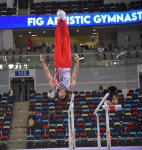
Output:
x,y
132,134
30,137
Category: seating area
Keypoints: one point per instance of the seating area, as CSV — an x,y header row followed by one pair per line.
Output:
x,y
85,6
6,112
51,120
75,7
4,11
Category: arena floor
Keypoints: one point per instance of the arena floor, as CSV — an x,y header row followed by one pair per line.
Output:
x,y
95,148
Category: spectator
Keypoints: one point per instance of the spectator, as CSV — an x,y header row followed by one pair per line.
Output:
x,y
114,100
38,124
29,44
32,92
51,116
11,93
108,102
139,121
100,49
30,122
51,94
100,89
81,51
112,89
75,48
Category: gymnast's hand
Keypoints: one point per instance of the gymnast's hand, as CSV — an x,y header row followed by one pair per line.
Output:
x,y
42,59
76,58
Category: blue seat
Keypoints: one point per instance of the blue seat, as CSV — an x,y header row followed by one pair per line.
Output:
x,y
60,135
65,120
114,134
136,100
134,104
65,124
95,98
127,105
44,107
7,123
39,97
139,134
37,136
51,104
80,129
52,125
127,109
88,124
38,108
131,134
102,124
65,115
82,102
80,120
30,137
94,129
94,91
6,132
81,92
125,123
125,134
133,118
137,90
32,100
122,141
37,131
45,121
85,110
139,108
4,98
111,129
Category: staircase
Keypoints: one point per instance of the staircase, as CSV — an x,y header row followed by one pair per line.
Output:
x,y
19,124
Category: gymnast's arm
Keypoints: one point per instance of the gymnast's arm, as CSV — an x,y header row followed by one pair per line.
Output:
x,y
75,71
46,71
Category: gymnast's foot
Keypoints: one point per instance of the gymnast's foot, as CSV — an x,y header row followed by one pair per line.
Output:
x,y
63,14
59,14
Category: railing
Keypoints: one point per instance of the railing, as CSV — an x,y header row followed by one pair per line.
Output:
x,y
91,59
18,144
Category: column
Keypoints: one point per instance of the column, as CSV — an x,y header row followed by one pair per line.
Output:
x,y
9,3
1,39
8,39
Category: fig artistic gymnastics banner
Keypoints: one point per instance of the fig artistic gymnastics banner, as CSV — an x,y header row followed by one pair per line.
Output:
x,y
73,20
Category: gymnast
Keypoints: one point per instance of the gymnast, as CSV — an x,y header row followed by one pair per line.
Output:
x,y
62,81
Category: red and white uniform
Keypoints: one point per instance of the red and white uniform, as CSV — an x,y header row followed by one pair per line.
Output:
x,y
62,55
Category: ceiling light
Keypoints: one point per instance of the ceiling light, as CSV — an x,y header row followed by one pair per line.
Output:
x,y
20,35
34,35
1,66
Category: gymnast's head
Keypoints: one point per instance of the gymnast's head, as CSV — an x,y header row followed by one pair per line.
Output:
x,y
62,93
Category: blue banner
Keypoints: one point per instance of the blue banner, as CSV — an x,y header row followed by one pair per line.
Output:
x,y
91,19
